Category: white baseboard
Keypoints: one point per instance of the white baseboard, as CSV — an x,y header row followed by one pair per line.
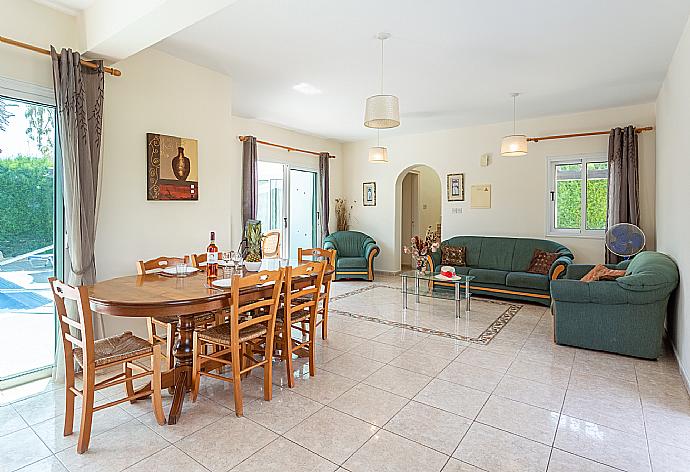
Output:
x,y
683,373
387,272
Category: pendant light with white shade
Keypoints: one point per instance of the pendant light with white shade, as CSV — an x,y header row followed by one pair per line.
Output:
x,y
382,111
378,153
514,145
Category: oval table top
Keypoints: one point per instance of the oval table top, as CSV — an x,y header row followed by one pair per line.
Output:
x,y
155,294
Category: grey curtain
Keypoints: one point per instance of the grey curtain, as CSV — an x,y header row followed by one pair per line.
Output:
x,y
79,99
324,205
250,180
623,190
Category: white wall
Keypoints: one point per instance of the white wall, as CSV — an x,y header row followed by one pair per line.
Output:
x,y
430,196
673,191
35,24
518,184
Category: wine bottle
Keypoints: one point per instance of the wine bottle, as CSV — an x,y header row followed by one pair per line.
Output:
x,y
212,258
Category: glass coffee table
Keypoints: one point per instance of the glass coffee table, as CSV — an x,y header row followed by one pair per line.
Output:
x,y
459,285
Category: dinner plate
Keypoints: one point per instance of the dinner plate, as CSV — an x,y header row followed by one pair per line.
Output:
x,y
222,283
443,277
173,270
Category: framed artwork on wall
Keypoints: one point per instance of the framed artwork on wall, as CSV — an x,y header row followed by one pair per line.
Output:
x,y
369,193
481,196
172,168
456,187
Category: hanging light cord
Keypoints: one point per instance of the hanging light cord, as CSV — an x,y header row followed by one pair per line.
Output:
x,y
514,97
381,66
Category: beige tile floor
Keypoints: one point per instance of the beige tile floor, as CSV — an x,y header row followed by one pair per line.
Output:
x,y
389,399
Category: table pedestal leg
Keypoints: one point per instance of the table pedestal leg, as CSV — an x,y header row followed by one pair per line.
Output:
x,y
457,300
404,291
183,364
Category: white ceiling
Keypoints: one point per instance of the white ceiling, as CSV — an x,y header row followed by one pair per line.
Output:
x,y
71,7
452,62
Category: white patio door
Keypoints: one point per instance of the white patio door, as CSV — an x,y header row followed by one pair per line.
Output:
x,y
288,200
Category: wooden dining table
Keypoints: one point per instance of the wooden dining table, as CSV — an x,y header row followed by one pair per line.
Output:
x,y
162,295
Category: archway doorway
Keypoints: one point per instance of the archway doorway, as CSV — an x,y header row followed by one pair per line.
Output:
x,y
418,207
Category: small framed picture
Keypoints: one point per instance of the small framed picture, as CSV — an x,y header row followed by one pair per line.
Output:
x,y
456,187
369,193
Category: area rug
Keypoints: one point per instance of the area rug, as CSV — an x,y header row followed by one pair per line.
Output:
x,y
380,303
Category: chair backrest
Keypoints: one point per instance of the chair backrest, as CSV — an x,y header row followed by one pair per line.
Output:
x,y
158,264
198,259
349,243
82,326
316,254
302,287
270,244
263,309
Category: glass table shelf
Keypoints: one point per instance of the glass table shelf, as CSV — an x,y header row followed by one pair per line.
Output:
x,y
431,284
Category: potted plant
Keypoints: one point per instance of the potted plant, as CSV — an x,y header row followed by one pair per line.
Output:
x,y
253,260
420,248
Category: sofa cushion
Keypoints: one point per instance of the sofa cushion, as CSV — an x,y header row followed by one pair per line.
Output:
x,y
346,263
542,261
524,250
453,255
489,276
497,253
462,270
472,245
527,280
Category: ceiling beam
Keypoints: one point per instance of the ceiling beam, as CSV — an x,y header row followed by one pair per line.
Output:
x,y
117,30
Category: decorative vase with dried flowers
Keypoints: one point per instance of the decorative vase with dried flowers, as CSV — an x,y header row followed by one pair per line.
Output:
x,y
420,248
342,214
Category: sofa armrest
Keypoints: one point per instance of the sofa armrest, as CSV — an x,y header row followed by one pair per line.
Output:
x,y
330,244
369,248
434,259
559,267
577,271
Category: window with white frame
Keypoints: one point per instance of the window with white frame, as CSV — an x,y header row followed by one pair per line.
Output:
x,y
577,195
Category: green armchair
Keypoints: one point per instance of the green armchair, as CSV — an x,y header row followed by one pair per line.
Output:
x,y
624,316
354,254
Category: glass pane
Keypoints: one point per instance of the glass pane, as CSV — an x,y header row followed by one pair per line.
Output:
x,y
597,195
302,210
27,160
270,205
568,199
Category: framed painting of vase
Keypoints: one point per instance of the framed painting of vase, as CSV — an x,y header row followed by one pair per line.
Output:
x,y
172,168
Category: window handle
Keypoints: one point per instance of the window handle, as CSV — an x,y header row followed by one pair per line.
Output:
x,y
552,195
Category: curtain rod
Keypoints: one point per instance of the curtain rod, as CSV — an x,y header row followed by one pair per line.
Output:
x,y
287,148
578,135
33,48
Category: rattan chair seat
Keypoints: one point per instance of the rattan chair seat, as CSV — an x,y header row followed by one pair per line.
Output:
x,y
116,348
221,334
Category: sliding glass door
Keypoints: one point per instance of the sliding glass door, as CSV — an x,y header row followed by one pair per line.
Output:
x,y
288,203
303,215
27,229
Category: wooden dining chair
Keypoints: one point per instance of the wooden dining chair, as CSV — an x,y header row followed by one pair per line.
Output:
x,y
252,320
301,293
167,324
307,255
270,245
93,356
198,260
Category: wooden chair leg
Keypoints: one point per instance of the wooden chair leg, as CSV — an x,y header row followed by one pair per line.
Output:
x,y
287,352
268,366
324,318
156,385
170,332
129,386
86,410
236,380
312,335
196,369
69,398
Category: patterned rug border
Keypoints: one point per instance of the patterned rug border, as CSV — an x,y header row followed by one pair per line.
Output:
x,y
484,338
